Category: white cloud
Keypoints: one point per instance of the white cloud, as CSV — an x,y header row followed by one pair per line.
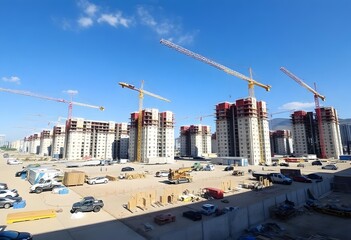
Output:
x,y
114,19
85,22
164,27
88,8
12,79
298,106
91,9
71,92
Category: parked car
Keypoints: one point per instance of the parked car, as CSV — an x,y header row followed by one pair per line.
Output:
x,y
14,162
301,165
195,216
126,169
3,186
8,193
14,235
330,167
7,202
229,168
87,204
284,164
301,178
315,176
164,218
97,180
317,163
208,209
162,173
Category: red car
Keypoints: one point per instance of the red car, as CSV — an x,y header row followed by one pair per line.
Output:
x,y
301,179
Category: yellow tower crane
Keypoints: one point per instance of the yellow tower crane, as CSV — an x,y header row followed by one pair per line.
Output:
x,y
141,96
185,51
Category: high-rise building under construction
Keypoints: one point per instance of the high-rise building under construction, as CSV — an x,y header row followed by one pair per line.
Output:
x,y
157,136
306,133
242,130
195,140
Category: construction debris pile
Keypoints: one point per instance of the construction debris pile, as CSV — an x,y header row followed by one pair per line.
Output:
x,y
284,210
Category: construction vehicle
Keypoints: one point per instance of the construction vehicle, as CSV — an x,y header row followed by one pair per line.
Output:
x,y
197,167
180,175
316,102
140,121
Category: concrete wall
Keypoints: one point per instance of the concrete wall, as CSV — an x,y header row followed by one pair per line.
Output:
x,y
232,224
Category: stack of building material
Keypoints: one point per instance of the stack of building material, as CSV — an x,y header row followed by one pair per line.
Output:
x,y
74,178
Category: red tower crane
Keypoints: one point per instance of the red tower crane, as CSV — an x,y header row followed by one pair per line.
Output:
x,y
70,103
316,101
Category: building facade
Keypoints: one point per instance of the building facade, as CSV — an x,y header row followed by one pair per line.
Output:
x,y
306,136
58,141
45,143
88,139
157,136
281,142
121,141
242,130
195,140
345,133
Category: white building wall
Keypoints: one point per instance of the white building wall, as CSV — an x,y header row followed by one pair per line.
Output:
x,y
266,144
299,139
222,130
249,139
332,140
45,145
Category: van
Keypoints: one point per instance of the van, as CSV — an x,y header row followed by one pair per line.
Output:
x,y
213,193
162,173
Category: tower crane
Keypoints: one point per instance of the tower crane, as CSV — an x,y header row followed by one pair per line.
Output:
x,y
250,80
141,97
70,103
316,101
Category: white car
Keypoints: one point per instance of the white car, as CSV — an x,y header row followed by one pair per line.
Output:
x,y
97,180
8,193
14,162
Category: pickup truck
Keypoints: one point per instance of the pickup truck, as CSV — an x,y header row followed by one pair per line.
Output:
x,y
280,178
274,177
47,185
87,204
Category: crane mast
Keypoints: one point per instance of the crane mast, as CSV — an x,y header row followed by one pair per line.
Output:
x,y
316,102
141,92
212,63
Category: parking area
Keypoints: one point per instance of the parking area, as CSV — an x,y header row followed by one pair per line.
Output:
x,y
115,219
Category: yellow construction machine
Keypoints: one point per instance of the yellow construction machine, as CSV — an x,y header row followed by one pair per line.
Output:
x,y
180,175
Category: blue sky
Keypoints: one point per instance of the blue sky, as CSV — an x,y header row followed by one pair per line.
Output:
x,y
87,47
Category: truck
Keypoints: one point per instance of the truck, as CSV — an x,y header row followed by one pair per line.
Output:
x,y
180,175
46,185
197,167
273,177
87,204
36,175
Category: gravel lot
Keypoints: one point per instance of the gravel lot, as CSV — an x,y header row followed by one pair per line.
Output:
x,y
115,220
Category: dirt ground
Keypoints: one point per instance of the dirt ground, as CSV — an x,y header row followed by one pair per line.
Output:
x,y
116,194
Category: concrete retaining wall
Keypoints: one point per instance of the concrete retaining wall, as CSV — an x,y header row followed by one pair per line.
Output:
x,y
232,224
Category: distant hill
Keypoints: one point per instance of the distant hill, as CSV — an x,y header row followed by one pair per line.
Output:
x,y
285,123
280,124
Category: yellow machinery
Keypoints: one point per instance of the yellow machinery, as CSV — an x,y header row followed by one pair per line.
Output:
x,y
180,175
141,96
